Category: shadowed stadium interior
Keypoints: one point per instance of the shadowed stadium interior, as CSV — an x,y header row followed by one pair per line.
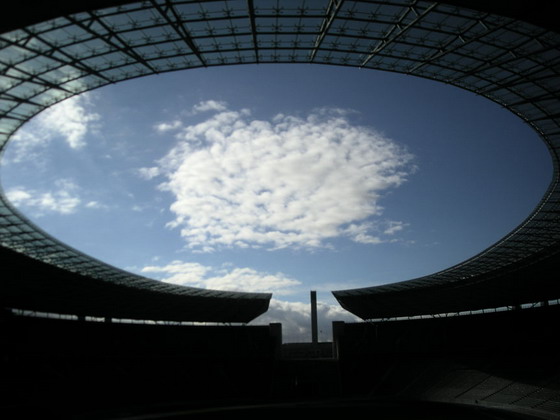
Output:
x,y
499,360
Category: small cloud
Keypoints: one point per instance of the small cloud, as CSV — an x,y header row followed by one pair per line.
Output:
x,y
211,105
394,227
364,233
223,278
201,107
69,120
96,205
179,272
360,233
149,173
248,279
63,200
164,127
18,196
204,249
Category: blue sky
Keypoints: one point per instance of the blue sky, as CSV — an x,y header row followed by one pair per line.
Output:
x,y
278,178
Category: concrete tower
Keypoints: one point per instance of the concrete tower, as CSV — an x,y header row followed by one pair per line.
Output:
x,y
314,335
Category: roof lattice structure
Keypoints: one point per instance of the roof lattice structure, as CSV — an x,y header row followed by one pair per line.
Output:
x,y
511,62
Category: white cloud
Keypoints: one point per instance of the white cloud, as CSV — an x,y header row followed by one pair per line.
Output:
x,y
96,205
164,127
289,182
394,227
179,272
210,105
222,278
69,120
19,195
360,233
203,106
63,200
148,173
374,233
248,279
295,318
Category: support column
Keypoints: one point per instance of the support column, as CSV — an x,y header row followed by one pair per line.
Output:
x,y
338,337
276,335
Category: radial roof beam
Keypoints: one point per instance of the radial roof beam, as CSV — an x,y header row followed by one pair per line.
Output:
x,y
253,20
175,22
390,38
110,38
444,49
332,11
55,53
486,65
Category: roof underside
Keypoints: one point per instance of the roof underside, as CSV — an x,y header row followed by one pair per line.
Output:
x,y
511,62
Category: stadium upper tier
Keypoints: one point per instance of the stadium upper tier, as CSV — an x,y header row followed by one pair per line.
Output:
x,y
508,52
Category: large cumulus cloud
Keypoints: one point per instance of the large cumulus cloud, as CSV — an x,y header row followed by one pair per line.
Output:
x,y
238,181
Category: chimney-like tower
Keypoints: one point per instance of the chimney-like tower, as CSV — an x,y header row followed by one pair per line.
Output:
x,y
314,335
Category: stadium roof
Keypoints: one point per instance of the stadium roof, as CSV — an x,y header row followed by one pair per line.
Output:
x,y
507,52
